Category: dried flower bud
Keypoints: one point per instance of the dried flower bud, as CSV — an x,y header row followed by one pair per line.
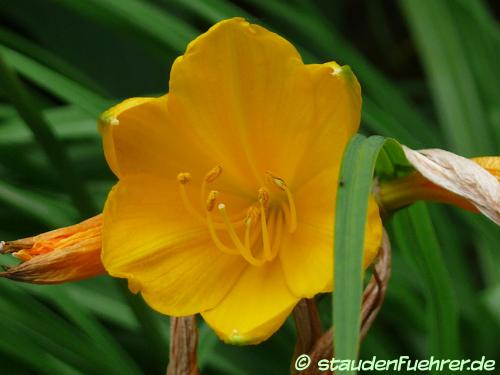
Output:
x,y
65,254
461,176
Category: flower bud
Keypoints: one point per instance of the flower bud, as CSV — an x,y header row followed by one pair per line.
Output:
x,y
65,254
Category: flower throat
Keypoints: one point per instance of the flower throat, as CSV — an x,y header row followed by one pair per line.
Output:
x,y
261,225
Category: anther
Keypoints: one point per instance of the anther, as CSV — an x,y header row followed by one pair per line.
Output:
x,y
252,214
280,183
263,196
212,197
213,174
209,178
184,178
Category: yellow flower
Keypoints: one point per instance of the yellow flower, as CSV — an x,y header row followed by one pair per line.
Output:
x,y
227,185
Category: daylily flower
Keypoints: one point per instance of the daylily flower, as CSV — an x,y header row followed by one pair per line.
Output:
x,y
226,195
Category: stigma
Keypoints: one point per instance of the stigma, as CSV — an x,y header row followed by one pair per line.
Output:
x,y
254,233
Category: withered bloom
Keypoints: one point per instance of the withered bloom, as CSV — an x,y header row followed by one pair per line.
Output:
x,y
66,254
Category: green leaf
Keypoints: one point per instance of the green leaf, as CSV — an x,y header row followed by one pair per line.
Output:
x,y
58,337
49,211
415,236
54,150
138,19
67,123
56,83
480,36
211,10
46,58
456,95
356,179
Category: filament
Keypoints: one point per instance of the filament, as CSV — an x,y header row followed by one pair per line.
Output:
x,y
210,203
244,250
281,184
292,227
277,233
210,177
265,233
261,219
184,179
213,234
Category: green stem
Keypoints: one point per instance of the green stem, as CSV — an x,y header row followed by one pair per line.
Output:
x,y
53,148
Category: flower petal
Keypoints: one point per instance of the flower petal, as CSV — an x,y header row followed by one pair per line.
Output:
x,y
307,254
255,308
247,93
141,136
490,163
150,239
337,112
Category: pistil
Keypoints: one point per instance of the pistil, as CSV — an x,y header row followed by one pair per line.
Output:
x,y
210,204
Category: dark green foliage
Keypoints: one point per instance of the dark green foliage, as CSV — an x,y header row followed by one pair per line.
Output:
x,y
429,72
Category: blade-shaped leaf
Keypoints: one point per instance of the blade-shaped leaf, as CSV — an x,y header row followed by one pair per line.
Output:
x,y
356,179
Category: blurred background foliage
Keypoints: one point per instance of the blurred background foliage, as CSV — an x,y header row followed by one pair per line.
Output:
x,y
429,71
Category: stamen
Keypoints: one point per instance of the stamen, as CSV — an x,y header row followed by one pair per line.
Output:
x,y
278,233
293,211
209,178
280,183
263,198
212,197
184,178
210,204
244,250
273,218
252,215
213,173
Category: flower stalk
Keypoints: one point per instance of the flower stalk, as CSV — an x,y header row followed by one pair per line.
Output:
x,y
183,343
373,298
308,326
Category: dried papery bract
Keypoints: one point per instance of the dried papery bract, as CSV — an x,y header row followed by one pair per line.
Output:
x,y
458,175
308,326
66,254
